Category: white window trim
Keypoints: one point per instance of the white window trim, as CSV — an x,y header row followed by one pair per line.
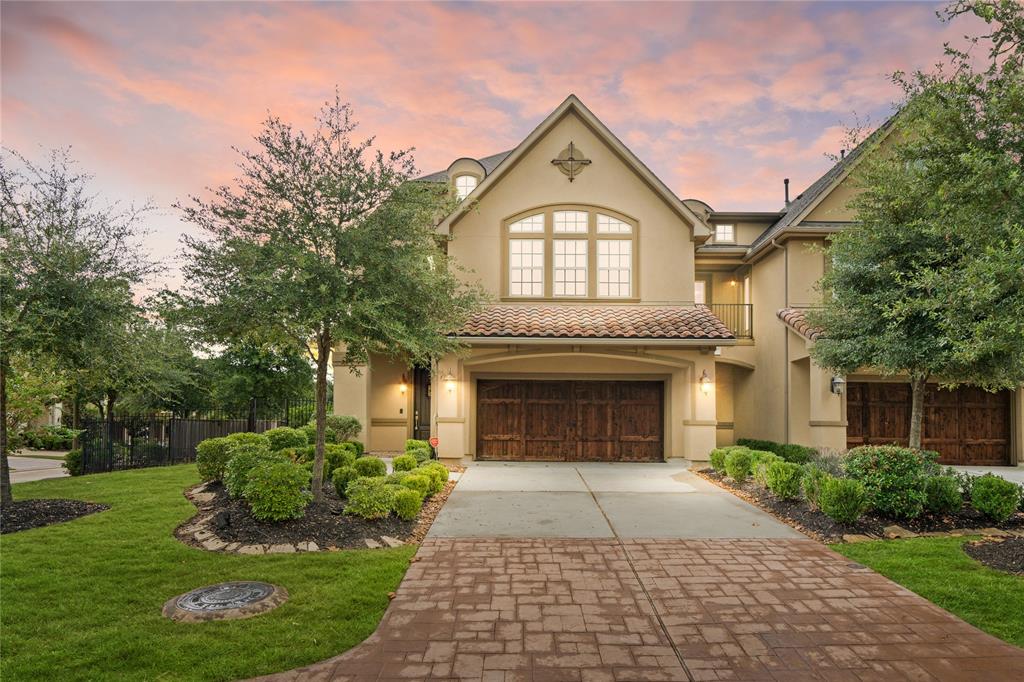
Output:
x,y
555,268
730,240
521,268
465,176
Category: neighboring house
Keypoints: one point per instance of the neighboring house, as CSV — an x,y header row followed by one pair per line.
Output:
x,y
629,325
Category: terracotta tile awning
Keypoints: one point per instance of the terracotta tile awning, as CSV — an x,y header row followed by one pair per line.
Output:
x,y
796,320
596,322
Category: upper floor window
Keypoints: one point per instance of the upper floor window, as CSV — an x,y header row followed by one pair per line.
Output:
x,y
725,233
570,253
464,184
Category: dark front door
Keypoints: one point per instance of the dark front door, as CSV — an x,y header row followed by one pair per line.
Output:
x,y
421,403
965,426
603,421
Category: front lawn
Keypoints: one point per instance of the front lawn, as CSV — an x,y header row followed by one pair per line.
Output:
x,y
938,570
81,600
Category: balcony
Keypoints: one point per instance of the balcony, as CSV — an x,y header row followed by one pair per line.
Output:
x,y
738,317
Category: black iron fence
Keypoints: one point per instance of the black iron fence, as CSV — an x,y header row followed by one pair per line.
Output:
x,y
145,440
738,317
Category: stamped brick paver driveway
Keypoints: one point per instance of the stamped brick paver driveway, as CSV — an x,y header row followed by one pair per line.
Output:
x,y
623,608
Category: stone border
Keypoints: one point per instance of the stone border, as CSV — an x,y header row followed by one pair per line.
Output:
x,y
171,610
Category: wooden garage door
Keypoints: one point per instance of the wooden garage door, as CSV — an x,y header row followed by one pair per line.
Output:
x,y
965,426
595,421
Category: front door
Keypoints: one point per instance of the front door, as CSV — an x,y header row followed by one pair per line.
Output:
x,y
421,403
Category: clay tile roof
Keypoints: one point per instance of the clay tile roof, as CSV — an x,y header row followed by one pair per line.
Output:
x,y
795,320
596,322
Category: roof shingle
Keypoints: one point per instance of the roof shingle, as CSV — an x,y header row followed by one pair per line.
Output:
x,y
796,320
596,322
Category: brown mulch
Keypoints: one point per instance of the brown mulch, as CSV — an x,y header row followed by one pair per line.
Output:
x,y
26,514
817,525
1002,554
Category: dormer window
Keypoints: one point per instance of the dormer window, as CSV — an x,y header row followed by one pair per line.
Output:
x,y
464,184
725,234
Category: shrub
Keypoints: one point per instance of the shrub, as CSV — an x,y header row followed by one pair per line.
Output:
x,y
423,483
73,462
371,498
341,477
212,456
829,461
343,426
414,444
964,479
407,503
49,438
276,491
396,478
737,465
244,459
371,466
791,452
283,437
404,463
358,445
251,438
717,459
995,497
760,460
438,472
942,495
310,431
813,476
893,477
421,454
843,499
338,455
783,479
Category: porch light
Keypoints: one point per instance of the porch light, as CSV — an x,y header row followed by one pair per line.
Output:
x,y
403,386
705,383
838,385
449,381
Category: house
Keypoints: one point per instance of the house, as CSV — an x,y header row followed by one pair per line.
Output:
x,y
627,324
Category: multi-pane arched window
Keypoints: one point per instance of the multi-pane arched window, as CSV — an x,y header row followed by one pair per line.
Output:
x,y
464,184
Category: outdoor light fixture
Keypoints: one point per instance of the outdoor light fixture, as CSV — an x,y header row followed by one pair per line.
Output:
x,y
404,386
705,383
838,385
449,381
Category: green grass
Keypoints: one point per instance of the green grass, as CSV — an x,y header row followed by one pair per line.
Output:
x,y
940,571
81,600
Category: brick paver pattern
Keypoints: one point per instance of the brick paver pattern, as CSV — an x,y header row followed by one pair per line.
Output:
x,y
607,610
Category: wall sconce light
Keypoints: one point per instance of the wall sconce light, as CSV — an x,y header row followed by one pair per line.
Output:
x,y
705,383
449,381
838,385
404,386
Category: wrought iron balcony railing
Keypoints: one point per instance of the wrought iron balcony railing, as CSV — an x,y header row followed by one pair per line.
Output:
x,y
738,317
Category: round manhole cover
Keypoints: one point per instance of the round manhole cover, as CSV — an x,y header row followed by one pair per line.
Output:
x,y
225,601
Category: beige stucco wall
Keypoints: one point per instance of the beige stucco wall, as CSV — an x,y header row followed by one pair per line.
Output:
x,y
664,246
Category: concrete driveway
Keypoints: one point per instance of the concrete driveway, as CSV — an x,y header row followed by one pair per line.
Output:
x,y
596,500
24,469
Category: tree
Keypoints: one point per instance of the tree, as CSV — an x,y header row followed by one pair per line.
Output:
x,y
930,282
32,385
67,267
324,241
250,370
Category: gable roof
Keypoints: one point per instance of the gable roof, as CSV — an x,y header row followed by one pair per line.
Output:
x,y
488,162
573,104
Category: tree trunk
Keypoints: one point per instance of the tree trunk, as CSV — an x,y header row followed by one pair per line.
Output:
x,y
6,499
323,352
76,418
111,399
917,387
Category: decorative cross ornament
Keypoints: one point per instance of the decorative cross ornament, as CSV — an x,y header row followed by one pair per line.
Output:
x,y
571,161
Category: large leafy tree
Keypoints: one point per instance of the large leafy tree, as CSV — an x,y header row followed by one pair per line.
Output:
x,y
251,370
930,282
324,242
67,267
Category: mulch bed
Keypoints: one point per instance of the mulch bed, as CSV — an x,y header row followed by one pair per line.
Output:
x,y
814,523
26,514
999,553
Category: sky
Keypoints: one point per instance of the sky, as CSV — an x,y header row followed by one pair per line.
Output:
x,y
721,100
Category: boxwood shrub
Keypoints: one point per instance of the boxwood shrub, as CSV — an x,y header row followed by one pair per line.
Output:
x,y
250,438
843,499
310,431
760,460
212,456
341,477
370,466
438,473
404,463
718,455
942,495
893,477
407,503
245,458
414,444
422,483
737,464
358,445
791,452
345,427
73,462
783,479
276,491
995,497
284,437
813,476
370,498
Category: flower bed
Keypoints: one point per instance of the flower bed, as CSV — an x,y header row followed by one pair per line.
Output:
x,y
999,553
26,514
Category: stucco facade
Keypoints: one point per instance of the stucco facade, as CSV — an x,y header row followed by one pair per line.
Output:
x,y
759,382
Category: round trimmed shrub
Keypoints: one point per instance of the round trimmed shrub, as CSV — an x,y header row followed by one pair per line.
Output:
x,y
814,475
370,466
245,458
717,459
421,454
249,438
422,483
995,497
783,479
370,498
73,462
345,427
212,456
942,495
341,477
760,460
893,477
310,431
276,491
438,473
843,499
797,454
407,503
284,437
414,444
358,445
737,465
404,463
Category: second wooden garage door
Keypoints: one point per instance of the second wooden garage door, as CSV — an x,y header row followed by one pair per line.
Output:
x,y
598,421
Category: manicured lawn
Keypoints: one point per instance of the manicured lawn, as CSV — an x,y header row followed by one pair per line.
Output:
x,y
81,600
938,570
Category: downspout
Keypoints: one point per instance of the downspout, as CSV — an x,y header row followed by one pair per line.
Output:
x,y
785,346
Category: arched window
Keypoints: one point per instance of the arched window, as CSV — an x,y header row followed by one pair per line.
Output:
x,y
464,184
